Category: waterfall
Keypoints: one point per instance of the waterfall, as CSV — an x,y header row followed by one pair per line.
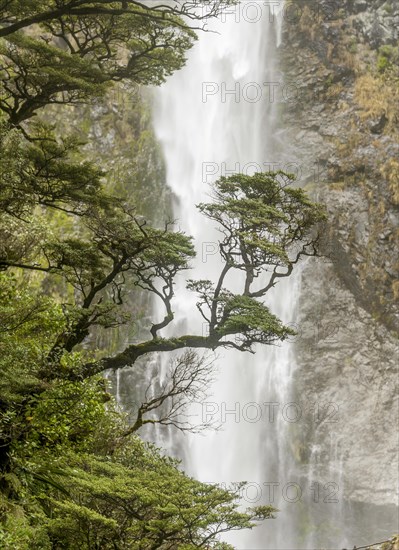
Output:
x,y
220,115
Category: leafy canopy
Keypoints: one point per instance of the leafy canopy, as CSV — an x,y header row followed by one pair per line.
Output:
x,y
70,51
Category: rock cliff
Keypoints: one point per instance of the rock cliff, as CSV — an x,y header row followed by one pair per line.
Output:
x,y
341,112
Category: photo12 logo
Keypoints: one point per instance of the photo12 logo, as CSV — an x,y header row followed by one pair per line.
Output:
x,y
272,492
268,412
253,11
314,173
274,91
322,332
265,11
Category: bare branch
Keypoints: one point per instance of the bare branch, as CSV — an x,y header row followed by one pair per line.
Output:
x,y
187,381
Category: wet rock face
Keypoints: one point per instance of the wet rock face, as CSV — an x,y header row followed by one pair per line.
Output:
x,y
348,369
342,121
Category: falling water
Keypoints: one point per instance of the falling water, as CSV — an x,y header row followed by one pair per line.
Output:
x,y
215,117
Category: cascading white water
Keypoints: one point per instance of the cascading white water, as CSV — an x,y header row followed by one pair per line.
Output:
x,y
217,116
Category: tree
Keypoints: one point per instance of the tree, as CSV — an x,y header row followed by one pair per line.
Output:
x,y
23,315
266,227
68,52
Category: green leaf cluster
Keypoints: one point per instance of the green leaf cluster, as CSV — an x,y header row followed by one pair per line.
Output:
x,y
252,320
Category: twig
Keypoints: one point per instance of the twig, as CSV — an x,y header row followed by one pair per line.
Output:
x,y
370,545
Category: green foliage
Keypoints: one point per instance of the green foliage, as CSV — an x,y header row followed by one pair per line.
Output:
x,y
266,227
155,502
382,63
18,533
261,217
43,171
79,482
388,59
29,322
33,68
252,320
92,242
66,412
74,58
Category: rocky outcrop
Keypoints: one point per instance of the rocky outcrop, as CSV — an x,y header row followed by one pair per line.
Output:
x,y
342,119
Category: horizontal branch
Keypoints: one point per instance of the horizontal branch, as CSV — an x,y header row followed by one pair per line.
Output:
x,y
5,264
130,355
80,9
